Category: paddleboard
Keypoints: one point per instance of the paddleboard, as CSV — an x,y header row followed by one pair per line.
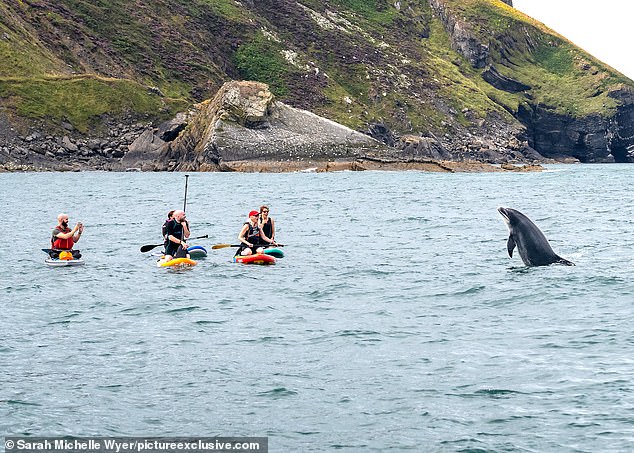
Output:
x,y
62,263
197,251
273,251
259,258
176,262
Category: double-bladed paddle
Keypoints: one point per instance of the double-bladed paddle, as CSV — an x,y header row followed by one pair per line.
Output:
x,y
147,248
224,246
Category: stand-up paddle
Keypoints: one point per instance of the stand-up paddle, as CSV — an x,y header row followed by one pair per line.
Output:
x,y
185,199
181,252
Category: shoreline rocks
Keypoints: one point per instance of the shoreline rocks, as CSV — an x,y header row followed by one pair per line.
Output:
x,y
68,151
243,128
309,166
245,122
362,164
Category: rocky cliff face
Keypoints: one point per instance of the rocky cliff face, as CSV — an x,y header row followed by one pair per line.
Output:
x,y
602,135
463,38
591,138
621,128
244,122
453,79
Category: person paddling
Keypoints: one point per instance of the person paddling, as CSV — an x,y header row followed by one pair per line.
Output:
x,y
170,216
267,223
177,233
63,238
252,237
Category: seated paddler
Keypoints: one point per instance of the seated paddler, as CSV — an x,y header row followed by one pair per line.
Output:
x,y
64,239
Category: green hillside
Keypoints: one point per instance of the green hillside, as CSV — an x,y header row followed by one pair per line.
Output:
x,y
560,74
355,61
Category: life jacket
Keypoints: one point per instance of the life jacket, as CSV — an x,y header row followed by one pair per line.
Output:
x,y
253,233
62,244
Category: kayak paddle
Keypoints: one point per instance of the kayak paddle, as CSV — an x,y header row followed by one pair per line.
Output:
x,y
224,246
147,248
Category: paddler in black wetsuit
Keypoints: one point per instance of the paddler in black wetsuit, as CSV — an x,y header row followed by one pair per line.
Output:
x,y
267,223
251,236
177,233
170,216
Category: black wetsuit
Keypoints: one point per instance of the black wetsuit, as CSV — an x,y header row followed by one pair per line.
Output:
x,y
175,229
267,228
253,236
164,232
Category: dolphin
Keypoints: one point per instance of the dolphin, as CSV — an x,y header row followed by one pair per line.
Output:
x,y
531,243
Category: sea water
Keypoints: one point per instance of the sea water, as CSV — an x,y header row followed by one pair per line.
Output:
x,y
396,320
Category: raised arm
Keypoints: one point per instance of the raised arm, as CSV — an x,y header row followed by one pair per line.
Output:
x,y
70,234
80,230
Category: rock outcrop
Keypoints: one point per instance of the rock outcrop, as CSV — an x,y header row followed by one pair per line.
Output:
x,y
589,138
463,39
501,82
243,128
244,122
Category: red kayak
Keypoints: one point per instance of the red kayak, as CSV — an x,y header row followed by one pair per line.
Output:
x,y
259,258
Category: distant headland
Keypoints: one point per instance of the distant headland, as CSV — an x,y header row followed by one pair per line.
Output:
x,y
322,85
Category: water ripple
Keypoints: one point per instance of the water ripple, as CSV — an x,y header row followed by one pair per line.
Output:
x,y
396,320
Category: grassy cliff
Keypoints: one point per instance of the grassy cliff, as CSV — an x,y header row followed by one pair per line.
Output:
x,y
355,61
560,74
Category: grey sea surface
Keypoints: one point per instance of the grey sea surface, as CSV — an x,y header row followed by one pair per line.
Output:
x,y
395,322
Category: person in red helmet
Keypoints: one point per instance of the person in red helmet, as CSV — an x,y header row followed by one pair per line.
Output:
x,y
251,236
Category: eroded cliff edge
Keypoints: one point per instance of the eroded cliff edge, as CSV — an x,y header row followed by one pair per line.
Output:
x,y
452,80
571,104
244,128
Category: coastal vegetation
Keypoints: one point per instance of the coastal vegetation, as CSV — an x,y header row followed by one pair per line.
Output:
x,y
399,64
